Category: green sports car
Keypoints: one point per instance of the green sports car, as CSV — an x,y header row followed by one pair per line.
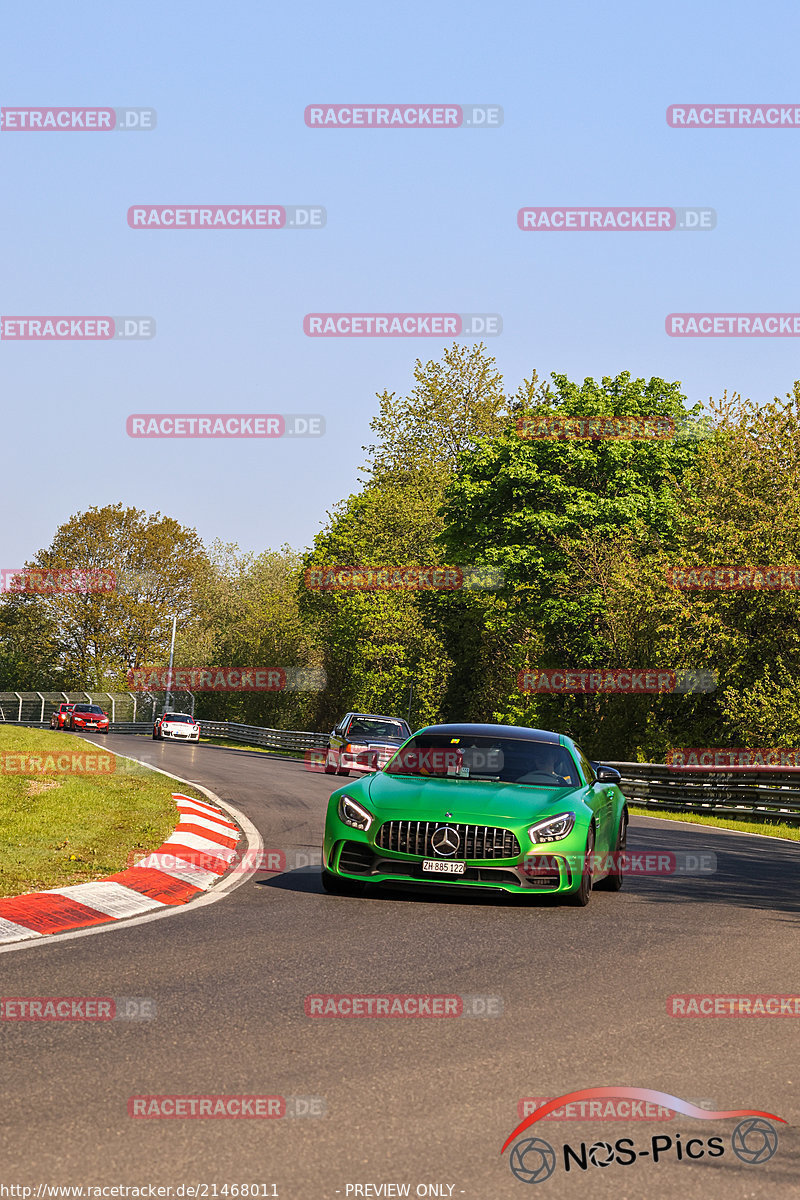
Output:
x,y
480,806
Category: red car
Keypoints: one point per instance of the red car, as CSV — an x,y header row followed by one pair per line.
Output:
x,y
87,716
59,718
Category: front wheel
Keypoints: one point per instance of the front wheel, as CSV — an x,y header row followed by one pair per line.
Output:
x,y
581,898
613,882
336,886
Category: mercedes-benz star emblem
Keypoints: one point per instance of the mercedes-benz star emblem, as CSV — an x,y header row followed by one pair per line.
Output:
x,y
445,840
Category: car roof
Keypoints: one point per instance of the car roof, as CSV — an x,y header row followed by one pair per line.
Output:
x,y
376,717
522,732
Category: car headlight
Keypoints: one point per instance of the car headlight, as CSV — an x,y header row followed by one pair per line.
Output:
x,y
352,814
553,829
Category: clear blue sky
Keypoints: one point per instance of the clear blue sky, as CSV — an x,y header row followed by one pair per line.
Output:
x,y
417,221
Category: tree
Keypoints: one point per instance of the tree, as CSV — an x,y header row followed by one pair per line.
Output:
x,y
251,618
526,504
95,636
377,645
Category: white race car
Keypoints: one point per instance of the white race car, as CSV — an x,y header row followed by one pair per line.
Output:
x,y
179,726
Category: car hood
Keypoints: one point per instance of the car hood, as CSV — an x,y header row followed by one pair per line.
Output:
x,y
412,798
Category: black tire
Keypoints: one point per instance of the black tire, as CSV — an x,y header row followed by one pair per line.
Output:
x,y
613,883
336,886
581,898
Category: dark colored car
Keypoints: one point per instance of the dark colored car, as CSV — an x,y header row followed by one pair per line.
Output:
x,y
364,742
87,717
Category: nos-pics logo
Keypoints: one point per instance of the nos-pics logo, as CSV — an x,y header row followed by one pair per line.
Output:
x,y
753,1141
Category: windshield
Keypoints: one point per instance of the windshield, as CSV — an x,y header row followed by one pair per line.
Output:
x,y
179,717
376,727
499,760
88,708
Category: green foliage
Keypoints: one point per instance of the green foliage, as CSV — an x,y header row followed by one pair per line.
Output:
x,y
584,532
94,637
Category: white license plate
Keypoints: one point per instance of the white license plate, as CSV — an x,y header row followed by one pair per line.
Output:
x,y
438,867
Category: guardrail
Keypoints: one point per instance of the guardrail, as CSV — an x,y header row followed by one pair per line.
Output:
x,y
745,794
257,735
233,731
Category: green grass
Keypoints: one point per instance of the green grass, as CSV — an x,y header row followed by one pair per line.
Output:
x,y
60,828
767,828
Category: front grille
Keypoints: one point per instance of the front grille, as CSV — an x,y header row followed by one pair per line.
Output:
x,y
475,841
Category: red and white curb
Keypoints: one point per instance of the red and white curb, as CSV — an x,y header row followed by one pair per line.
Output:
x,y
165,877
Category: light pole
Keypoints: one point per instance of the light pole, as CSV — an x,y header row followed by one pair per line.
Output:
x,y
171,654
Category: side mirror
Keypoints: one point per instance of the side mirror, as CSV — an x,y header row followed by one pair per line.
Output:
x,y
607,774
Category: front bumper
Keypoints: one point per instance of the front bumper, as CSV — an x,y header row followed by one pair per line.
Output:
x,y
367,759
552,869
180,737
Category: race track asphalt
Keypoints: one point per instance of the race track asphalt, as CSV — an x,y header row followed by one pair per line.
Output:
x,y
421,1101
